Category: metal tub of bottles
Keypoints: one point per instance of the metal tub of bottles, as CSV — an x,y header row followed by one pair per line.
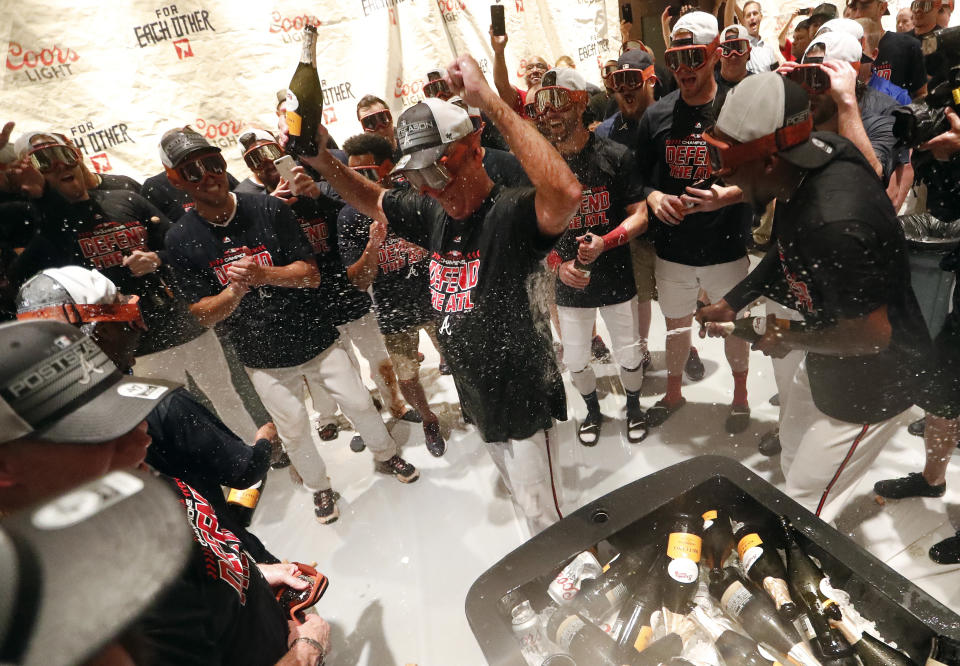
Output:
x,y
702,563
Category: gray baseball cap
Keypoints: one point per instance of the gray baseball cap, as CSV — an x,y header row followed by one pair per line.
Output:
x,y
425,130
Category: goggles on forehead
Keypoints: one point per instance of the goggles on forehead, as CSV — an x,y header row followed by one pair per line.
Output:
x,y
258,156
530,110
374,121
725,156
45,158
811,76
628,79
368,172
194,170
693,56
922,6
731,47
436,88
609,69
77,314
557,99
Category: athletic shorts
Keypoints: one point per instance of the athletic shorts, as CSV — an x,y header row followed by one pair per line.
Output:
x,y
644,259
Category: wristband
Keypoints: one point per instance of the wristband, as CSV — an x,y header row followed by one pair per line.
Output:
x,y
313,643
553,261
615,238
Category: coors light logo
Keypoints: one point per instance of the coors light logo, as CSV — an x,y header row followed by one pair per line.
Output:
x,y
40,63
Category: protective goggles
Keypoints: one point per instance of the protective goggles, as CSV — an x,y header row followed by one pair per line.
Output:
x,y
368,172
692,57
374,121
530,110
725,156
629,79
811,76
434,176
923,6
258,156
46,158
556,98
295,602
732,47
78,314
607,70
436,88
194,170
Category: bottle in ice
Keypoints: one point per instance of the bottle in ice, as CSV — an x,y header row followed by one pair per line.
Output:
x,y
734,648
758,616
762,564
529,633
633,629
872,651
304,104
717,538
243,502
680,569
944,651
599,596
804,577
754,328
586,642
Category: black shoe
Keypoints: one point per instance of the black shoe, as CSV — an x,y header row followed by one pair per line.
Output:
x,y
661,411
357,444
694,367
434,440
589,430
325,506
328,432
636,425
918,427
398,467
769,443
444,368
911,485
599,349
775,400
738,420
412,416
278,457
946,551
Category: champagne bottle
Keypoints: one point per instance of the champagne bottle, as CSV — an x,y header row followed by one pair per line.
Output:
x,y
944,651
758,616
754,328
304,104
735,649
872,651
717,538
679,576
579,265
599,596
762,564
586,642
804,578
633,627
243,502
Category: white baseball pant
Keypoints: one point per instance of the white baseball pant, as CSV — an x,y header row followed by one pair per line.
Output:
x,y
281,390
784,368
203,358
824,458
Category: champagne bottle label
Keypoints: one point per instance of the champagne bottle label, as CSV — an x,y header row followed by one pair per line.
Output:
x,y
568,629
778,590
683,570
684,545
247,498
735,598
749,550
643,639
708,519
805,627
294,123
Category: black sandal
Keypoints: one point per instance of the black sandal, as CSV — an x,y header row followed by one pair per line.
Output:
x,y
589,431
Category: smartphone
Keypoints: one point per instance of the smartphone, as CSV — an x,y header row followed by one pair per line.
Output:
x,y
626,12
497,20
285,166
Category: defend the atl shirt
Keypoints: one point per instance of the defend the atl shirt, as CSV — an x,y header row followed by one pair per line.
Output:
x,y
611,182
673,155
400,288
900,61
272,327
503,366
99,233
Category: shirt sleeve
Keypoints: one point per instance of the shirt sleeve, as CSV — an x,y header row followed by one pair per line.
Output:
x,y
353,230
522,217
879,130
409,215
191,282
761,281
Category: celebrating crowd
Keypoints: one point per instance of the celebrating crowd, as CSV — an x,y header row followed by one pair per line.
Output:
x,y
499,221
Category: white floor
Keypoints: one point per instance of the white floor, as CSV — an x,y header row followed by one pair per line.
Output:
x,y
401,558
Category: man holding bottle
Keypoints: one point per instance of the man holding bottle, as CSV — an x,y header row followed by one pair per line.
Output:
x,y
484,240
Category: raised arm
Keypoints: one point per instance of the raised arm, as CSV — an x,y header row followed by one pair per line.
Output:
x,y
362,194
843,80
558,191
501,76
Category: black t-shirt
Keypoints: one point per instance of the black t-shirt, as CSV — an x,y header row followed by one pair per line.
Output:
x,y
111,181
341,300
193,445
504,370
504,168
220,610
841,254
672,156
611,181
272,327
900,61
400,290
250,186
19,219
98,233
159,191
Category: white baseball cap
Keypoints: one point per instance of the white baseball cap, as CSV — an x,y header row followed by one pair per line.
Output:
x,y
701,25
849,26
837,47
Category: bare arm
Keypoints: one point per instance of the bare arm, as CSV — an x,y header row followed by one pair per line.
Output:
x,y
558,190
728,12
212,310
843,81
362,194
782,37
364,271
501,77
665,25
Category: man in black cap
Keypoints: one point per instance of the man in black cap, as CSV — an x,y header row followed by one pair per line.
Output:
x,y
243,260
67,416
484,240
840,261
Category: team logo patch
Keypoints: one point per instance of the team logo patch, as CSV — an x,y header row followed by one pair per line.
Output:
x,y
138,390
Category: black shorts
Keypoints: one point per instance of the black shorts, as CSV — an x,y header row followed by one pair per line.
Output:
x,y
942,392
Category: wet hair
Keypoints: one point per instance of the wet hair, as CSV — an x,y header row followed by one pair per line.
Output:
x,y
365,143
367,101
